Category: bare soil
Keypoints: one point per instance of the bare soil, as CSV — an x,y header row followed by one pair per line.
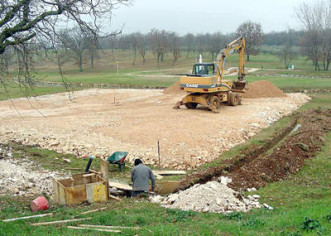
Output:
x,y
101,121
288,151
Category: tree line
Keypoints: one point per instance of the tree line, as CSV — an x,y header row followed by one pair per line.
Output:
x,y
28,28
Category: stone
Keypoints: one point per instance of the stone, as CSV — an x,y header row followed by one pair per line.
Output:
x,y
66,160
224,180
267,206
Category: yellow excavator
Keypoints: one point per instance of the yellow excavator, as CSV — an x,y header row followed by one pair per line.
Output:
x,y
206,85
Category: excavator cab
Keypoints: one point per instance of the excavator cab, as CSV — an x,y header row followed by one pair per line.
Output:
x,y
203,69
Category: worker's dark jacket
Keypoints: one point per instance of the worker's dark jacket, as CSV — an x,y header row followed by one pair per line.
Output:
x,y
140,176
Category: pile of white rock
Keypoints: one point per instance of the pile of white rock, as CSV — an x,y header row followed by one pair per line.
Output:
x,y
21,177
210,197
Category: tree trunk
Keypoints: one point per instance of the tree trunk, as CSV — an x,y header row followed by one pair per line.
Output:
x,y
134,56
92,60
80,63
247,56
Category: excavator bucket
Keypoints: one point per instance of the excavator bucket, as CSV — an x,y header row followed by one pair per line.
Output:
x,y
239,85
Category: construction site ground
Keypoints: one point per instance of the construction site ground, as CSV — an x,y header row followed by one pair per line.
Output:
x,y
101,121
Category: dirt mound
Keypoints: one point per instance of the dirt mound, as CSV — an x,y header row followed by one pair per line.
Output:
x,y
263,89
173,89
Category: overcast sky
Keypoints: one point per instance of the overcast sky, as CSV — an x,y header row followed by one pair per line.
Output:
x,y
206,16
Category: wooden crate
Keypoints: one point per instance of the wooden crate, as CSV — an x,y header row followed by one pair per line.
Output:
x,y
80,188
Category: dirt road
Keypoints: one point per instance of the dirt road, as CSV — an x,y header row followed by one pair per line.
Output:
x,y
99,122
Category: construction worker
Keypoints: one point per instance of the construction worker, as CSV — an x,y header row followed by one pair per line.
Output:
x,y
140,176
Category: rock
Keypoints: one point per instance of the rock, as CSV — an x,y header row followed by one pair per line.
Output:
x,y
255,196
156,199
224,180
267,206
66,160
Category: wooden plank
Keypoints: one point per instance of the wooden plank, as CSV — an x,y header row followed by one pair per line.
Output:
x,y
75,195
56,191
28,217
101,230
62,194
59,221
88,175
78,169
92,211
169,172
116,198
108,226
104,166
120,186
96,192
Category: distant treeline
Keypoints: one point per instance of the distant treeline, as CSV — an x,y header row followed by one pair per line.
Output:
x,y
199,42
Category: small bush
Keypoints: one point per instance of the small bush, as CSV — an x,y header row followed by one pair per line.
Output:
x,y
254,223
234,216
179,216
312,225
286,233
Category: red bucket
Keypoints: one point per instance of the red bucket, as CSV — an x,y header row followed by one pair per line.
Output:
x,y
40,203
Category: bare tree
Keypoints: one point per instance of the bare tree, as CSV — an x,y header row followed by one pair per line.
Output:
x,y
174,44
190,42
253,35
215,43
286,55
142,46
23,20
159,43
316,43
134,44
76,42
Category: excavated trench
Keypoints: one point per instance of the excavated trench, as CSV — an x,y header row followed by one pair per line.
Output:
x,y
280,156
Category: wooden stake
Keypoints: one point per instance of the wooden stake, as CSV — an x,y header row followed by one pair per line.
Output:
x,y
59,221
78,169
116,198
158,152
28,217
95,210
101,230
108,226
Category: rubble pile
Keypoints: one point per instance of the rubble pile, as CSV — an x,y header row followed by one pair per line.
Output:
x,y
18,178
210,197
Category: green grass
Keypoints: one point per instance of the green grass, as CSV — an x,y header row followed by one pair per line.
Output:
x,y
13,90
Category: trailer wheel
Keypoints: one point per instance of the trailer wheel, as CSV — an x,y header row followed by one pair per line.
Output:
x,y
191,105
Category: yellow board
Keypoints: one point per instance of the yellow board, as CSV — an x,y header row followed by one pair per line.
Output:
x,y
96,192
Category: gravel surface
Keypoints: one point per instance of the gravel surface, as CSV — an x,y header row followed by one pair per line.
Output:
x,y
99,122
